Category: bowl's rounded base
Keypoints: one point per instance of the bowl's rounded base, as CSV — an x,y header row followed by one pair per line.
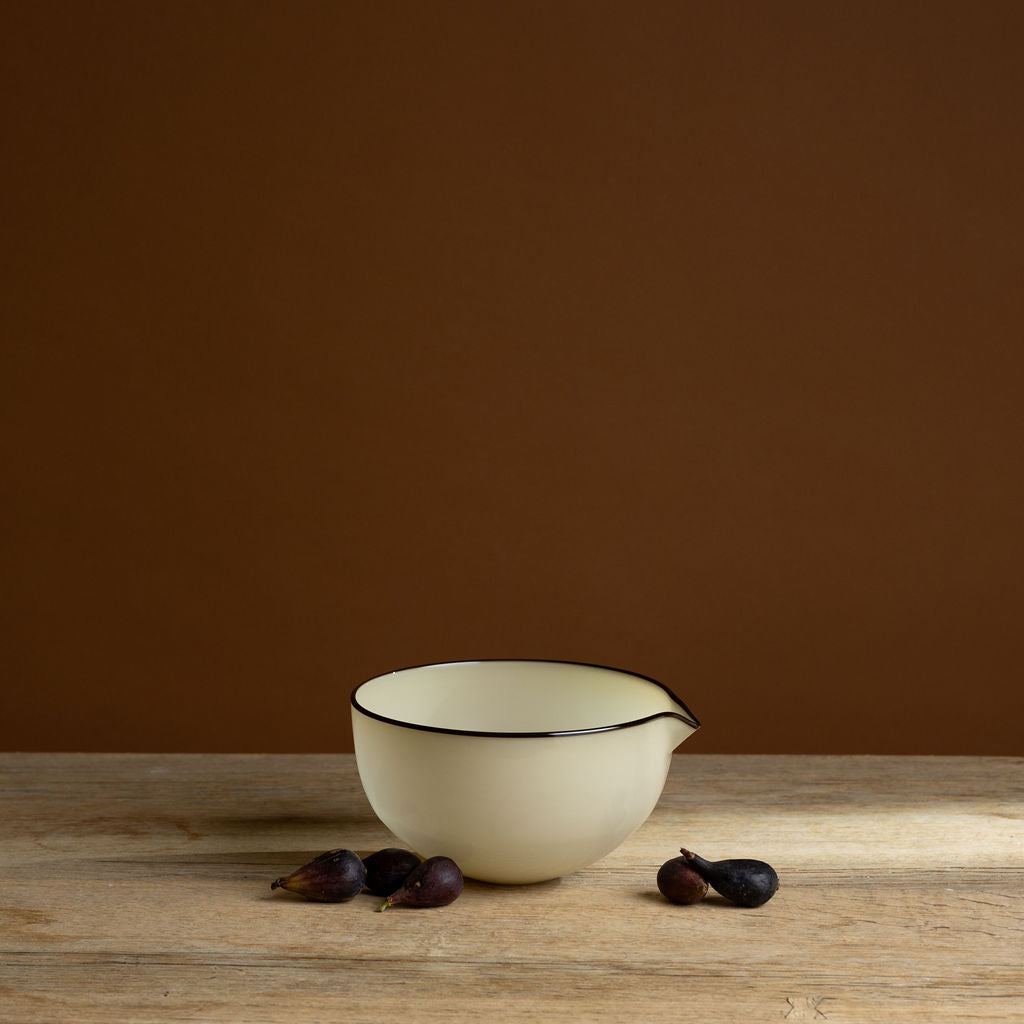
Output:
x,y
517,880
517,864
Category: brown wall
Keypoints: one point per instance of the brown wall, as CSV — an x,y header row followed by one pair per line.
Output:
x,y
679,337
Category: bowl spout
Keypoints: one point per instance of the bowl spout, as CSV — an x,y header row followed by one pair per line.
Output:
x,y
680,727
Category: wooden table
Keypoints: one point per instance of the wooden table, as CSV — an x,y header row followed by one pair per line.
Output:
x,y
137,888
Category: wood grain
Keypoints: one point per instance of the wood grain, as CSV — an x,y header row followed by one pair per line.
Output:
x,y
136,888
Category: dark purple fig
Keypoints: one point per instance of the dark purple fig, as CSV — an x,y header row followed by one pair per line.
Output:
x,y
679,883
747,883
386,870
435,883
333,877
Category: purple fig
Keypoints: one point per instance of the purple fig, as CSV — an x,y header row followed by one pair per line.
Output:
x,y
435,883
679,883
386,870
747,883
333,877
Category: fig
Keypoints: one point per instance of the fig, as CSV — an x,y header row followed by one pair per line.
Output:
x,y
434,883
747,883
333,877
679,883
387,869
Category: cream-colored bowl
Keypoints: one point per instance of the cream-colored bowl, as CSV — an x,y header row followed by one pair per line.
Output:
x,y
519,771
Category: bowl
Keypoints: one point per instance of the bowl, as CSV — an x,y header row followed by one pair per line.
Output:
x,y
519,770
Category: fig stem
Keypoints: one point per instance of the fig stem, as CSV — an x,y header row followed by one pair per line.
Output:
x,y
384,906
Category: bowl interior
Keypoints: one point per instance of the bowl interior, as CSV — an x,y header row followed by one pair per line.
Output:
x,y
514,697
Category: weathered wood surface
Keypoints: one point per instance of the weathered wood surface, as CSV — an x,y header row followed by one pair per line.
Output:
x,y
136,888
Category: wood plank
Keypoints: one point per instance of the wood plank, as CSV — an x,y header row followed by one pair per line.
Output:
x,y
136,887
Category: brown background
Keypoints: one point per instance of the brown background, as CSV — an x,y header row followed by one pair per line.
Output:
x,y
680,337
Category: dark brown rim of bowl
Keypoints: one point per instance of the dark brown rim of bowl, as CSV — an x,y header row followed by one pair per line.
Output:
x,y
684,714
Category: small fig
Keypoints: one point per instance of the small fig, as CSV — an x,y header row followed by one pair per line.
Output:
x,y
434,883
387,869
747,883
333,877
679,883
